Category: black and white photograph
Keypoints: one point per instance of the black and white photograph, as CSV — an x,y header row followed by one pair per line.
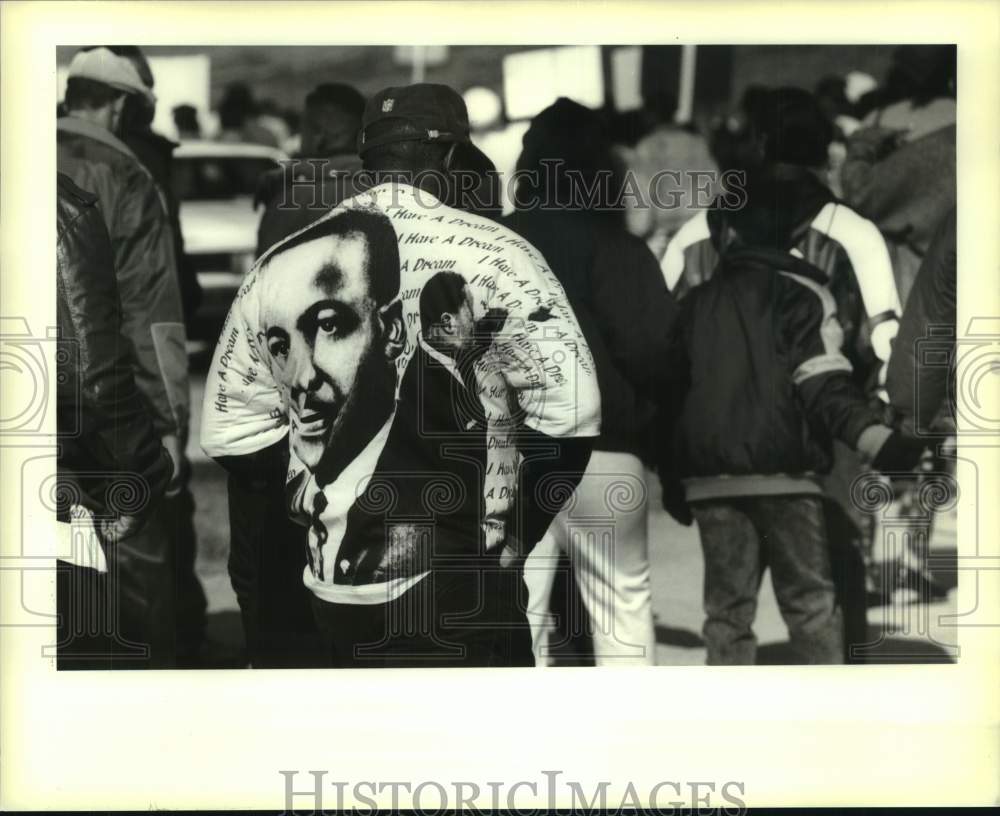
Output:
x,y
672,280
622,359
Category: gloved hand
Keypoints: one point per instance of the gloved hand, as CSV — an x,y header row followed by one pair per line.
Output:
x,y
674,500
122,527
487,328
898,453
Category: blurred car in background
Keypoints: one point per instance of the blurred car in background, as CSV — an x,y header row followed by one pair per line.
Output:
x,y
214,183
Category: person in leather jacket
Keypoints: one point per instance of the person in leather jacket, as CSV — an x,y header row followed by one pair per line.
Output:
x,y
90,150
111,464
155,153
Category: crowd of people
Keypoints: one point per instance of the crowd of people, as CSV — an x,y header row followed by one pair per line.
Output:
x,y
423,404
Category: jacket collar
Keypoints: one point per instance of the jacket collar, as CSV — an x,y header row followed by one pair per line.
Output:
x,y
446,361
82,127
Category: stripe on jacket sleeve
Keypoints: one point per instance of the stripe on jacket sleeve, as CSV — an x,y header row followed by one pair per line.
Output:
x,y
694,230
830,332
869,258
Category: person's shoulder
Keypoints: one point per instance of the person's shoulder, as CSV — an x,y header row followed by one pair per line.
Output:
x,y
138,185
97,178
153,150
622,240
479,232
85,148
844,224
516,246
669,140
121,165
384,197
616,241
269,184
694,230
119,157
654,143
418,375
157,141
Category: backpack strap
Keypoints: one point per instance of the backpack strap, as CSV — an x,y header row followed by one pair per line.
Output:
x,y
720,231
776,260
800,232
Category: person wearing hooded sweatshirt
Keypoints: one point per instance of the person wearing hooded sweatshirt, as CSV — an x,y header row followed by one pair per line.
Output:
x,y
788,206
789,209
567,206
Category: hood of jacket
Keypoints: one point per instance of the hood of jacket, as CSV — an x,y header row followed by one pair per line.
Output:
x,y
781,200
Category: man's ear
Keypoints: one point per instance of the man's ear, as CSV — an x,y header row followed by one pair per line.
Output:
x,y
393,329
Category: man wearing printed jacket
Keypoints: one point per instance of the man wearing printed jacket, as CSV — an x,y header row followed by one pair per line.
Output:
x,y
415,521
89,152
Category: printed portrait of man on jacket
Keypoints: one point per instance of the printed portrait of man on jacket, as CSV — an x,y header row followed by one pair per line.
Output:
x,y
415,356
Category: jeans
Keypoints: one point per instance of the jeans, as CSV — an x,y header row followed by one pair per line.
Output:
x,y
460,616
603,530
742,537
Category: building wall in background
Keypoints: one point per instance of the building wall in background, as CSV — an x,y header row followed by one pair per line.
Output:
x,y
803,65
285,74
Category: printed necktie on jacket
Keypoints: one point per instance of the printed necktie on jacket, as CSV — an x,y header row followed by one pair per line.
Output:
x,y
319,505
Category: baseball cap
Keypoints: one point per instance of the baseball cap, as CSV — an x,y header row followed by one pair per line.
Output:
x,y
424,112
102,65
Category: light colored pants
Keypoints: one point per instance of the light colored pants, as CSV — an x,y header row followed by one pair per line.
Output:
x,y
603,530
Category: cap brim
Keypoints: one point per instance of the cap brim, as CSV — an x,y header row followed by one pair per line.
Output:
x,y
143,91
474,159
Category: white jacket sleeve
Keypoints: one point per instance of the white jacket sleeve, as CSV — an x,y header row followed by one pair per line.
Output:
x,y
542,352
243,410
869,257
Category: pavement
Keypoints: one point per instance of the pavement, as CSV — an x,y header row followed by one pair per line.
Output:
x,y
897,632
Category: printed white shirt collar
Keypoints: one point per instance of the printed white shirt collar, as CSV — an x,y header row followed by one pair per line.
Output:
x,y
342,492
